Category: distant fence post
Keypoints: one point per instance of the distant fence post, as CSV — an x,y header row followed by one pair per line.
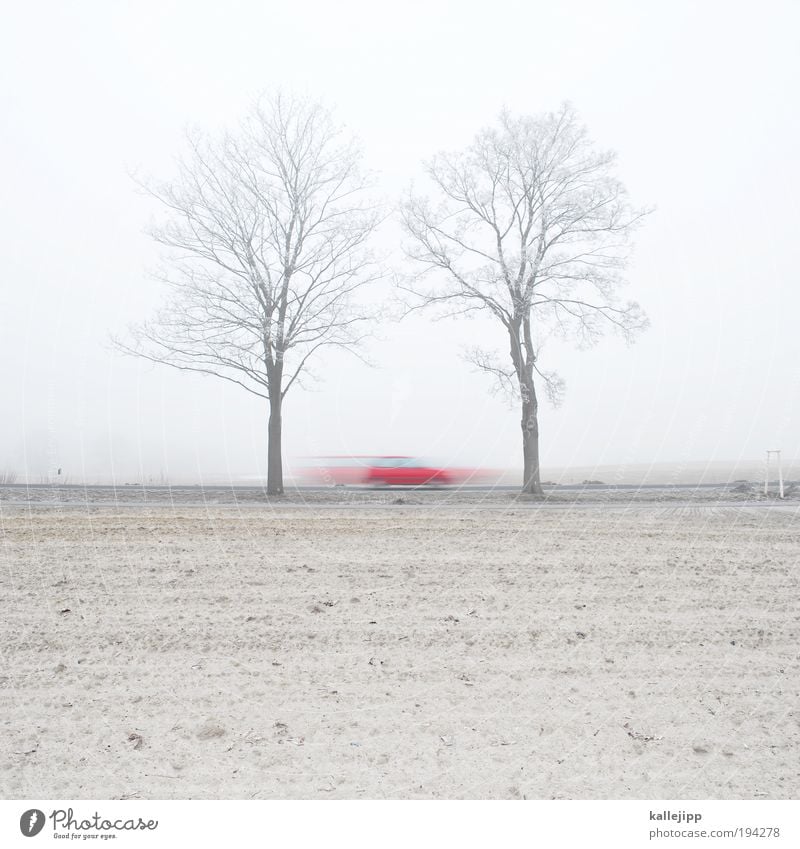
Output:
x,y
780,472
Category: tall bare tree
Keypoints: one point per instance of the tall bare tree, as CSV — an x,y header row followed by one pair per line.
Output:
x,y
530,224
266,237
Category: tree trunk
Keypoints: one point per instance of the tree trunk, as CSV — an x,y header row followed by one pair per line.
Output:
x,y
274,459
519,332
531,479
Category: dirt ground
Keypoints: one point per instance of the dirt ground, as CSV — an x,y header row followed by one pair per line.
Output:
x,y
399,652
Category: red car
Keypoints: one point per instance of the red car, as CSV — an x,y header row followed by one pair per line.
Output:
x,y
405,471
380,471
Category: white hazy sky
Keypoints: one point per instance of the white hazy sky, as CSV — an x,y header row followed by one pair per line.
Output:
x,y
699,100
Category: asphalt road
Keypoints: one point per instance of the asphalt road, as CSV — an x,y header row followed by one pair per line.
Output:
x,y
567,497
361,488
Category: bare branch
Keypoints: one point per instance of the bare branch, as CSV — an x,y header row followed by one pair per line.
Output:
x,y
267,235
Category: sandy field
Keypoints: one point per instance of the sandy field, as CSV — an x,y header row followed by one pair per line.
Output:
x,y
400,651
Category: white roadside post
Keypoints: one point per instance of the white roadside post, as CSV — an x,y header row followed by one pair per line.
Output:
x,y
780,472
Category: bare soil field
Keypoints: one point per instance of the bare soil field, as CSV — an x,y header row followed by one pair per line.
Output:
x,y
160,651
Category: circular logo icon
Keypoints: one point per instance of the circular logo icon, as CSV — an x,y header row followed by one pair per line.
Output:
x,y
31,822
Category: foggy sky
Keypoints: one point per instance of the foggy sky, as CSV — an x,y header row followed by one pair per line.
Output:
x,y
699,100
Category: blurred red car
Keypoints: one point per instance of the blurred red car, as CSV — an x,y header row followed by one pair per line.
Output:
x,y
406,471
381,471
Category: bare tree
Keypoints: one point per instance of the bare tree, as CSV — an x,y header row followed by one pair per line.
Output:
x,y
267,232
529,224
